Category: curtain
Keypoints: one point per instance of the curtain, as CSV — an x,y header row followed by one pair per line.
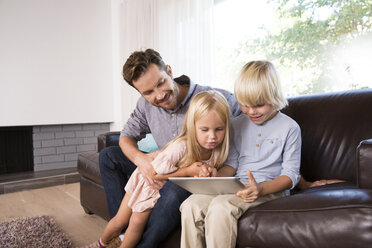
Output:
x,y
181,30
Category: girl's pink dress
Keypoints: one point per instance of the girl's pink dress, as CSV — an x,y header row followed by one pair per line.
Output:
x,y
144,197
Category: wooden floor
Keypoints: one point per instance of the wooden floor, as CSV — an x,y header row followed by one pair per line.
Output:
x,y
62,203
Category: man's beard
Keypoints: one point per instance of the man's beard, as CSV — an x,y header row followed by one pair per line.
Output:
x,y
176,92
171,93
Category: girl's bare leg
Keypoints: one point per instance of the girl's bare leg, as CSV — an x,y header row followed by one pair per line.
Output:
x,y
117,223
135,229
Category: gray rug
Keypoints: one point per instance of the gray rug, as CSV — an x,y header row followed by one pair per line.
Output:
x,y
32,232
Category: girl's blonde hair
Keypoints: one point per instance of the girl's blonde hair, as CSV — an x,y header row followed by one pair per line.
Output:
x,y
257,84
200,105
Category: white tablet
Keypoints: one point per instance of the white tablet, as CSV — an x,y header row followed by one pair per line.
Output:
x,y
209,185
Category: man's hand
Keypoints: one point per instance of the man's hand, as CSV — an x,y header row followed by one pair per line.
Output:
x,y
252,192
145,168
324,182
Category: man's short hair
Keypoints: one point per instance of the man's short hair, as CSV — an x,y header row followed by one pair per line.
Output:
x,y
138,63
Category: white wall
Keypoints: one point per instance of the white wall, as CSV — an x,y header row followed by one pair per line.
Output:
x,y
56,62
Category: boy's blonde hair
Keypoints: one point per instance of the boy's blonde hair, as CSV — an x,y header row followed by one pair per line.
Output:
x,y
258,83
200,105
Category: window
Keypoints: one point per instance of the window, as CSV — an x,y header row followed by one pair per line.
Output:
x,y
317,46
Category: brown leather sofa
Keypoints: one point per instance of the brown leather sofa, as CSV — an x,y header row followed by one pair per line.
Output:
x,y
337,143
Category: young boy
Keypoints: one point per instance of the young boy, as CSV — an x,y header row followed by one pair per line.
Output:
x,y
264,154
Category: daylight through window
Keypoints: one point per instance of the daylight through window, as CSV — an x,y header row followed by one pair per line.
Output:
x,y
317,46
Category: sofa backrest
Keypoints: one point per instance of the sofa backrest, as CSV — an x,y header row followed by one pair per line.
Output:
x,y
332,126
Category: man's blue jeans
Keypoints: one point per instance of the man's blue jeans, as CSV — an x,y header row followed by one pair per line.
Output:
x,y
115,170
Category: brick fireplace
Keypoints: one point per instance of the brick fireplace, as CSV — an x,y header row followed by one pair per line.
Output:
x,y
58,146
46,156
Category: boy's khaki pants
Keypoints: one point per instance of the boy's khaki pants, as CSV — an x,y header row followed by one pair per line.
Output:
x,y
212,221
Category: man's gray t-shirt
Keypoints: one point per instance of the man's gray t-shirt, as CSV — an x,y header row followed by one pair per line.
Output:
x,y
164,124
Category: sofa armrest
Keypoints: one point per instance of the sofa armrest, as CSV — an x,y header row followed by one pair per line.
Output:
x,y
364,164
108,139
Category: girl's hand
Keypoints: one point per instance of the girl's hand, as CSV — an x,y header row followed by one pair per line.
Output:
x,y
212,171
194,169
205,171
252,192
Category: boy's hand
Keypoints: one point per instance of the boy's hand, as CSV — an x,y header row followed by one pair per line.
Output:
x,y
252,192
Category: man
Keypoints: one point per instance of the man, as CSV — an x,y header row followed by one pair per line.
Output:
x,y
160,111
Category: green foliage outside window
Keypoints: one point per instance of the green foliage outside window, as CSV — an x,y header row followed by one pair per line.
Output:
x,y
312,44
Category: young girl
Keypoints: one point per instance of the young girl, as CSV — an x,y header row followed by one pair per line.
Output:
x,y
203,144
264,154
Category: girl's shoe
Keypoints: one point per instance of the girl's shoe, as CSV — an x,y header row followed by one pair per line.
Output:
x,y
94,245
114,243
